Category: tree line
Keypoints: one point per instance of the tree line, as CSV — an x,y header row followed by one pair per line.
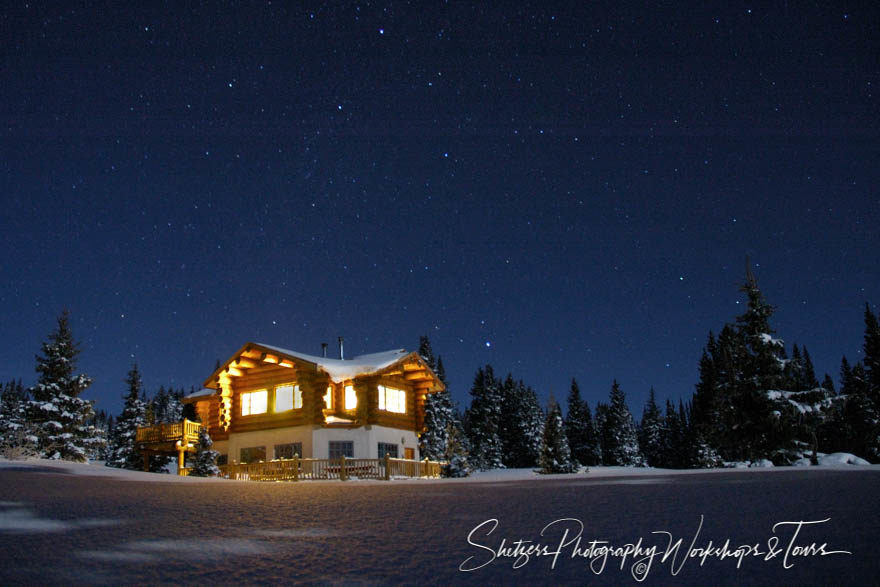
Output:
x,y
753,405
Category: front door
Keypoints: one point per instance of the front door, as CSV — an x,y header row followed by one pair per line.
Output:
x,y
409,453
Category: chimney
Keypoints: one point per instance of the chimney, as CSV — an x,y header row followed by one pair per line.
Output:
x,y
341,351
324,350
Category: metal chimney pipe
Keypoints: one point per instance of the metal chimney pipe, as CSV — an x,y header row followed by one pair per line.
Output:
x,y
341,351
324,350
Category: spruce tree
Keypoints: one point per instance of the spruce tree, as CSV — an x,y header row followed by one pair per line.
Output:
x,y
205,464
521,425
439,415
650,432
621,445
455,454
871,350
555,453
484,421
123,453
578,426
58,416
16,439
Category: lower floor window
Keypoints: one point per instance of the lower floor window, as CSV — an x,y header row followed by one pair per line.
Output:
x,y
286,451
253,454
341,448
386,448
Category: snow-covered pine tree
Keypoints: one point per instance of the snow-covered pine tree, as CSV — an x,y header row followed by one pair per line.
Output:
x,y
58,416
522,425
578,426
621,445
123,453
555,452
439,415
871,351
205,463
673,440
16,440
455,454
602,431
650,432
484,421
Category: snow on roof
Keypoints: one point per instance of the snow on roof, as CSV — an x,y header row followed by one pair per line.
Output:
x,y
340,370
201,393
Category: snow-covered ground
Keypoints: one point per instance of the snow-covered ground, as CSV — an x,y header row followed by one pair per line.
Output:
x,y
97,469
63,523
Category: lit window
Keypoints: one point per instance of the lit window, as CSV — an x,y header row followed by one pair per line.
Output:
x,y
287,397
392,400
328,398
351,398
254,402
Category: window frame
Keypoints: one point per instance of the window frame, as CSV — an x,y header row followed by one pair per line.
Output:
x,y
246,399
387,445
341,446
295,397
399,396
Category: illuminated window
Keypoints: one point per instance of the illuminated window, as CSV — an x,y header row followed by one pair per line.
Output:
x,y
328,398
392,400
287,397
351,398
254,402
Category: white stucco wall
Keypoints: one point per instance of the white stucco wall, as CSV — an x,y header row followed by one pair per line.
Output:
x,y
316,441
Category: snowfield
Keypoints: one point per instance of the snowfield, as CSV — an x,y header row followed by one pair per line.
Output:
x,y
64,522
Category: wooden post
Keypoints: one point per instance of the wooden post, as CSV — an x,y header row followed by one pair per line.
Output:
x,y
426,468
295,467
146,461
343,475
181,463
387,467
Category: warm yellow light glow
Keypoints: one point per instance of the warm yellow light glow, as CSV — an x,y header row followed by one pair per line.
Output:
x,y
392,400
255,402
328,398
351,398
287,397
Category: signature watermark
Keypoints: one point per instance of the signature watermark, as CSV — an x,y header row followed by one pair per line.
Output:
x,y
564,539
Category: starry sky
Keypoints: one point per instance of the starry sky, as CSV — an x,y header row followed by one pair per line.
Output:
x,y
560,190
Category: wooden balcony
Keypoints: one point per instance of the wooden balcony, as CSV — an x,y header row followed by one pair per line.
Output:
x,y
176,438
297,469
185,432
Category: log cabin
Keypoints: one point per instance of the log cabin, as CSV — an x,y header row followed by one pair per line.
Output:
x,y
267,403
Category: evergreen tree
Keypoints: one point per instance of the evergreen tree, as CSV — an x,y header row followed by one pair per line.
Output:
x,y
521,425
58,416
621,446
871,349
672,440
426,352
579,427
651,431
123,453
205,464
439,415
16,439
603,432
455,454
555,453
484,421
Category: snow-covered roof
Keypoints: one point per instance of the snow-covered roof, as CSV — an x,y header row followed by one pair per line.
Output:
x,y
339,370
200,393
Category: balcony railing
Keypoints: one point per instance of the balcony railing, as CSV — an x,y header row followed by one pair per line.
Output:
x,y
297,469
186,432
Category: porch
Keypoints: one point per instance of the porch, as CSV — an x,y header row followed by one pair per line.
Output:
x,y
177,438
297,469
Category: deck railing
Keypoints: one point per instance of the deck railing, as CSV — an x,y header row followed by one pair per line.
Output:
x,y
297,469
185,432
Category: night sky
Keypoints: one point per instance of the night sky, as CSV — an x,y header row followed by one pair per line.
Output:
x,y
563,191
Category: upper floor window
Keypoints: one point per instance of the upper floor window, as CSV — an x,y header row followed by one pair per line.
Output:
x,y
351,398
328,398
392,400
254,402
287,397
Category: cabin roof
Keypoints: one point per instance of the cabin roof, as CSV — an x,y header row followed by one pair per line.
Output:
x,y
338,370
